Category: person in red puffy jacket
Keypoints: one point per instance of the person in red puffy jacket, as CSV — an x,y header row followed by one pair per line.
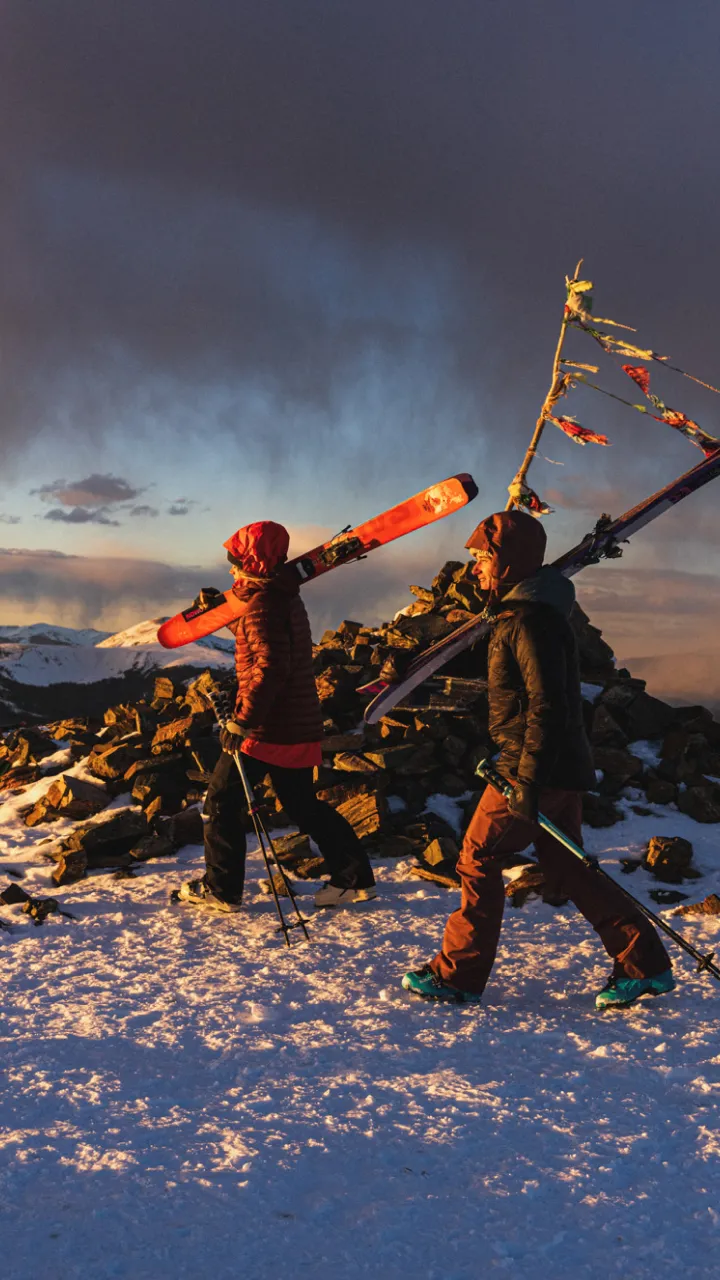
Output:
x,y
277,726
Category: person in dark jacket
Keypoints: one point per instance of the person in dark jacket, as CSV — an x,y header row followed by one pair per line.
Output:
x,y
536,722
277,726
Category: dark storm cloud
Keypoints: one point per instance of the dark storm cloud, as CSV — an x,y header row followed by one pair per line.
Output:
x,y
337,206
79,515
93,491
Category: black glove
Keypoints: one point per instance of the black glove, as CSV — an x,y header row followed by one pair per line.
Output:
x,y
523,802
231,736
208,598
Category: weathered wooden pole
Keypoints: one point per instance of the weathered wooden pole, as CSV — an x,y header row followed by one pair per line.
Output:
x,y
551,399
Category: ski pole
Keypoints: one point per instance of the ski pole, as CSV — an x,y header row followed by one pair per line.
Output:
x,y
704,963
219,704
262,834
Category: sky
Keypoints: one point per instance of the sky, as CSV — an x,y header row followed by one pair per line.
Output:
x,y
298,262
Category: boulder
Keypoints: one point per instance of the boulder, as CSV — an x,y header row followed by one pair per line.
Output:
x,y
443,849
103,842
605,730
72,798
701,803
367,814
710,906
618,766
71,866
668,858
658,791
111,763
600,811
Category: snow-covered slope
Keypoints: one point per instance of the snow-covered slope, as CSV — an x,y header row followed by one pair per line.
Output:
x,y
182,1097
85,662
49,633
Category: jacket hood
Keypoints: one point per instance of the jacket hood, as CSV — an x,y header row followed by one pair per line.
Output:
x,y
259,548
513,542
547,586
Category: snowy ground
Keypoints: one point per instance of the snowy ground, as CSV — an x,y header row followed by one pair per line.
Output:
x,y
182,1097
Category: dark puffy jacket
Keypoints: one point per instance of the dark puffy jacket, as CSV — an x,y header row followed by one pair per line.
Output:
x,y
536,716
276,699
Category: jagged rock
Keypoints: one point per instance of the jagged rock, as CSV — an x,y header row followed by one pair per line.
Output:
x,y
666,896
29,746
71,866
169,737
12,894
710,906
73,798
442,580
423,593
352,762
331,656
105,841
168,785
343,786
312,868
423,761
41,811
163,689
647,717
392,758
701,803
349,628
334,686
452,749
442,850
113,762
605,730
155,845
186,827
668,858
658,791
367,814
292,849
446,876
600,811
341,742
40,908
278,881
619,766
18,779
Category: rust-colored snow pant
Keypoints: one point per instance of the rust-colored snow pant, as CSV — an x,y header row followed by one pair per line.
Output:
x,y
472,932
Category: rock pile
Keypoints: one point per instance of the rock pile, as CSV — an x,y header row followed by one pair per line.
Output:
x,y
158,752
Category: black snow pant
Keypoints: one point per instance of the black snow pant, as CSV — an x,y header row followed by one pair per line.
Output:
x,y
226,811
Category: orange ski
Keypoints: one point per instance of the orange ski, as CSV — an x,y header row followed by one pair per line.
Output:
x,y
432,504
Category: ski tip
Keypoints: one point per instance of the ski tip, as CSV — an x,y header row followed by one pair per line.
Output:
x,y
373,688
468,485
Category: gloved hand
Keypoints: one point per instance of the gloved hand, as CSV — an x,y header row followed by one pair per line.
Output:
x,y
208,598
231,736
523,802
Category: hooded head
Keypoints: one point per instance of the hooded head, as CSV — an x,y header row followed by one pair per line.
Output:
x,y
513,543
259,549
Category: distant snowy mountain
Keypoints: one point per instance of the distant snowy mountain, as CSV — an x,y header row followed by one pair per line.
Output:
x,y
43,668
47,633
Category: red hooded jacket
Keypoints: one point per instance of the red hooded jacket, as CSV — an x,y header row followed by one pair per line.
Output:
x,y
277,698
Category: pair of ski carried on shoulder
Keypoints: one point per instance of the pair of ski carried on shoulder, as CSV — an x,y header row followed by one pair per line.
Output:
x,y
440,500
